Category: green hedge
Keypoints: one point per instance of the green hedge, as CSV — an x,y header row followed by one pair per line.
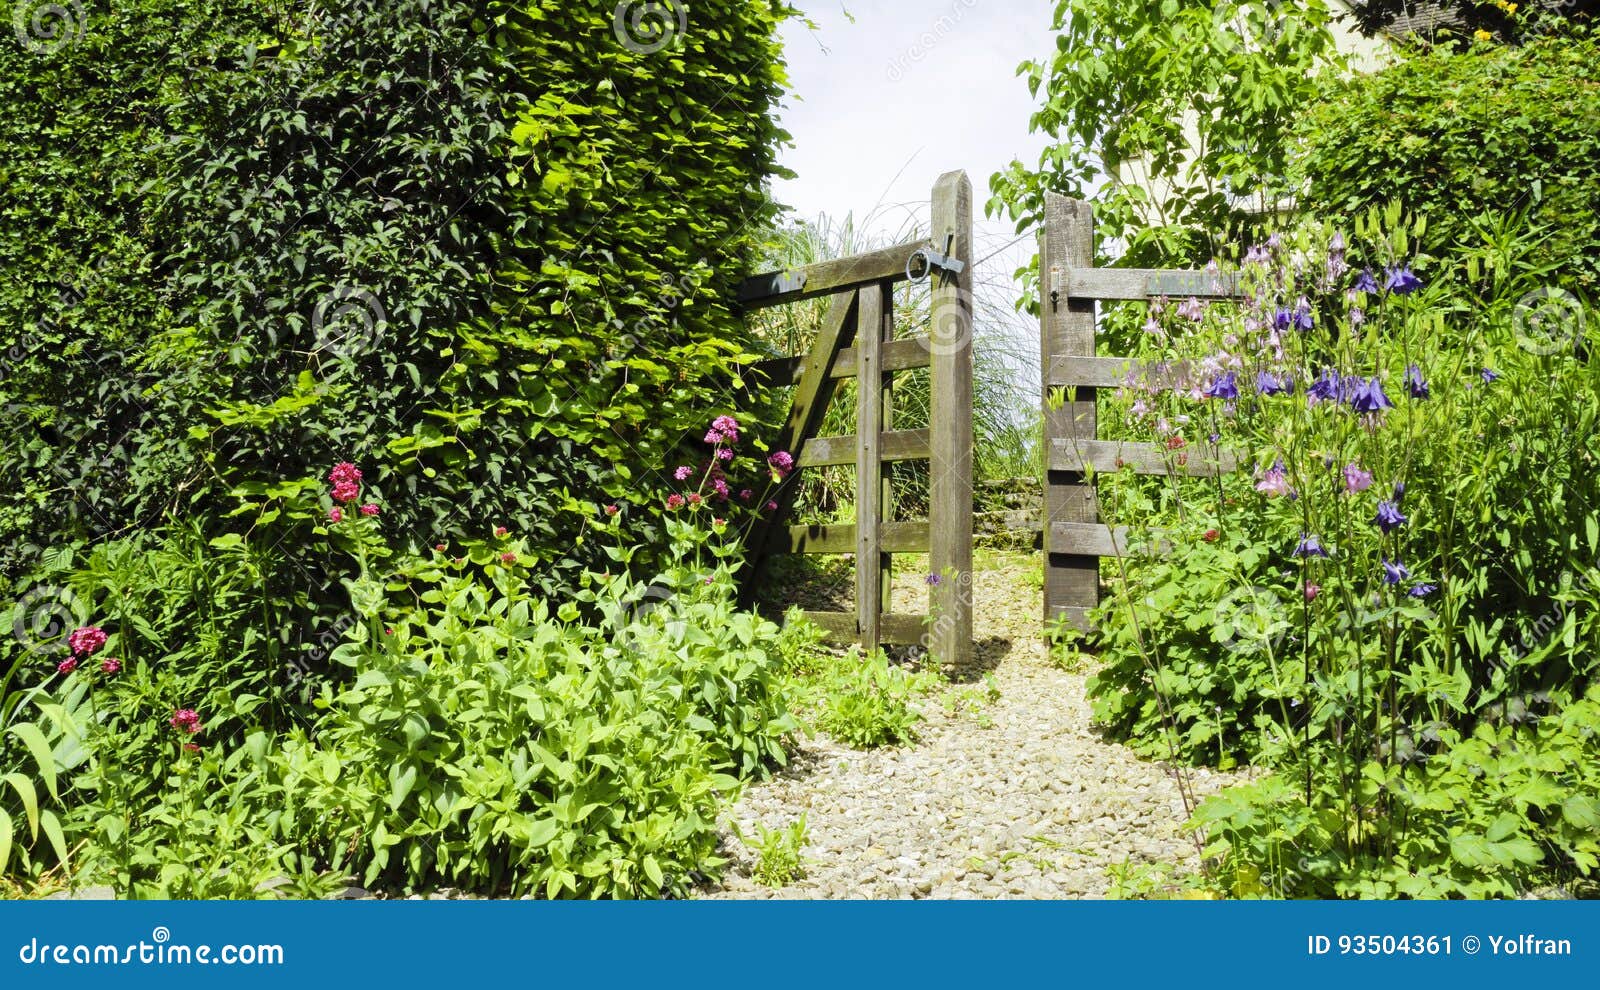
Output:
x,y
1459,136
485,249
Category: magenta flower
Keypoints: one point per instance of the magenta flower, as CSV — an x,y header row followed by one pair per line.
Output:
x,y
334,515
612,510
346,491
674,501
1274,482
67,666
186,719
1312,591
110,665
345,473
782,462
369,510
772,506
508,558
87,640
724,429
746,495
683,473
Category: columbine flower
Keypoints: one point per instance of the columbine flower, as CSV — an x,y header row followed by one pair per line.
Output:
x,y
1257,255
1394,572
1224,387
933,580
110,665
1274,481
1325,388
1337,245
1415,382
1282,319
1389,518
1358,316
1400,281
1356,479
186,719
1366,283
67,666
1192,309
87,640
781,462
369,510
1303,320
1422,590
683,473
1399,490
1269,384
1368,397
1310,546
1489,375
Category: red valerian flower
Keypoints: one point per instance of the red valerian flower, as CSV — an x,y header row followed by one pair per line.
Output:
x,y
612,510
440,547
67,666
1211,536
695,499
334,515
110,665
772,506
87,640
186,719
500,531
675,501
369,510
508,558
345,473
346,491
191,748
782,462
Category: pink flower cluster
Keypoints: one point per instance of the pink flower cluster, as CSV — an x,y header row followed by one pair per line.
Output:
x,y
346,479
714,484
186,719
84,643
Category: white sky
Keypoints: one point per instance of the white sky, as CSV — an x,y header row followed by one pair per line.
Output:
x,y
909,90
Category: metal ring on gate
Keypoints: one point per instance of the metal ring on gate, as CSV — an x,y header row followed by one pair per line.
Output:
x,y
923,255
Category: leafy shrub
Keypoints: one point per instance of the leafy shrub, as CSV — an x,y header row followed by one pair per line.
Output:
x,y
1397,569
378,230
1457,135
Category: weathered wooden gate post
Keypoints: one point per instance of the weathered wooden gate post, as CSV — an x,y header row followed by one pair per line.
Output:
x,y
1071,579
950,434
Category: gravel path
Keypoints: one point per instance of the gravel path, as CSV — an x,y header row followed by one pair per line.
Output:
x,y
1012,798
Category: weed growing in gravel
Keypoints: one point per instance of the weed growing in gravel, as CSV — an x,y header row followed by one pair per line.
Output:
x,y
779,852
972,701
867,702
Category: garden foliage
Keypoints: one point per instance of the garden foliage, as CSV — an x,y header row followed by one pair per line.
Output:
x,y
1393,600
1488,143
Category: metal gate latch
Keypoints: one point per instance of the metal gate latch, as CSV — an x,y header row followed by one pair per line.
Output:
x,y
924,260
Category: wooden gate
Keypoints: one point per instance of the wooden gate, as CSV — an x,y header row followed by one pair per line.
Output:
x,y
857,340
1070,285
